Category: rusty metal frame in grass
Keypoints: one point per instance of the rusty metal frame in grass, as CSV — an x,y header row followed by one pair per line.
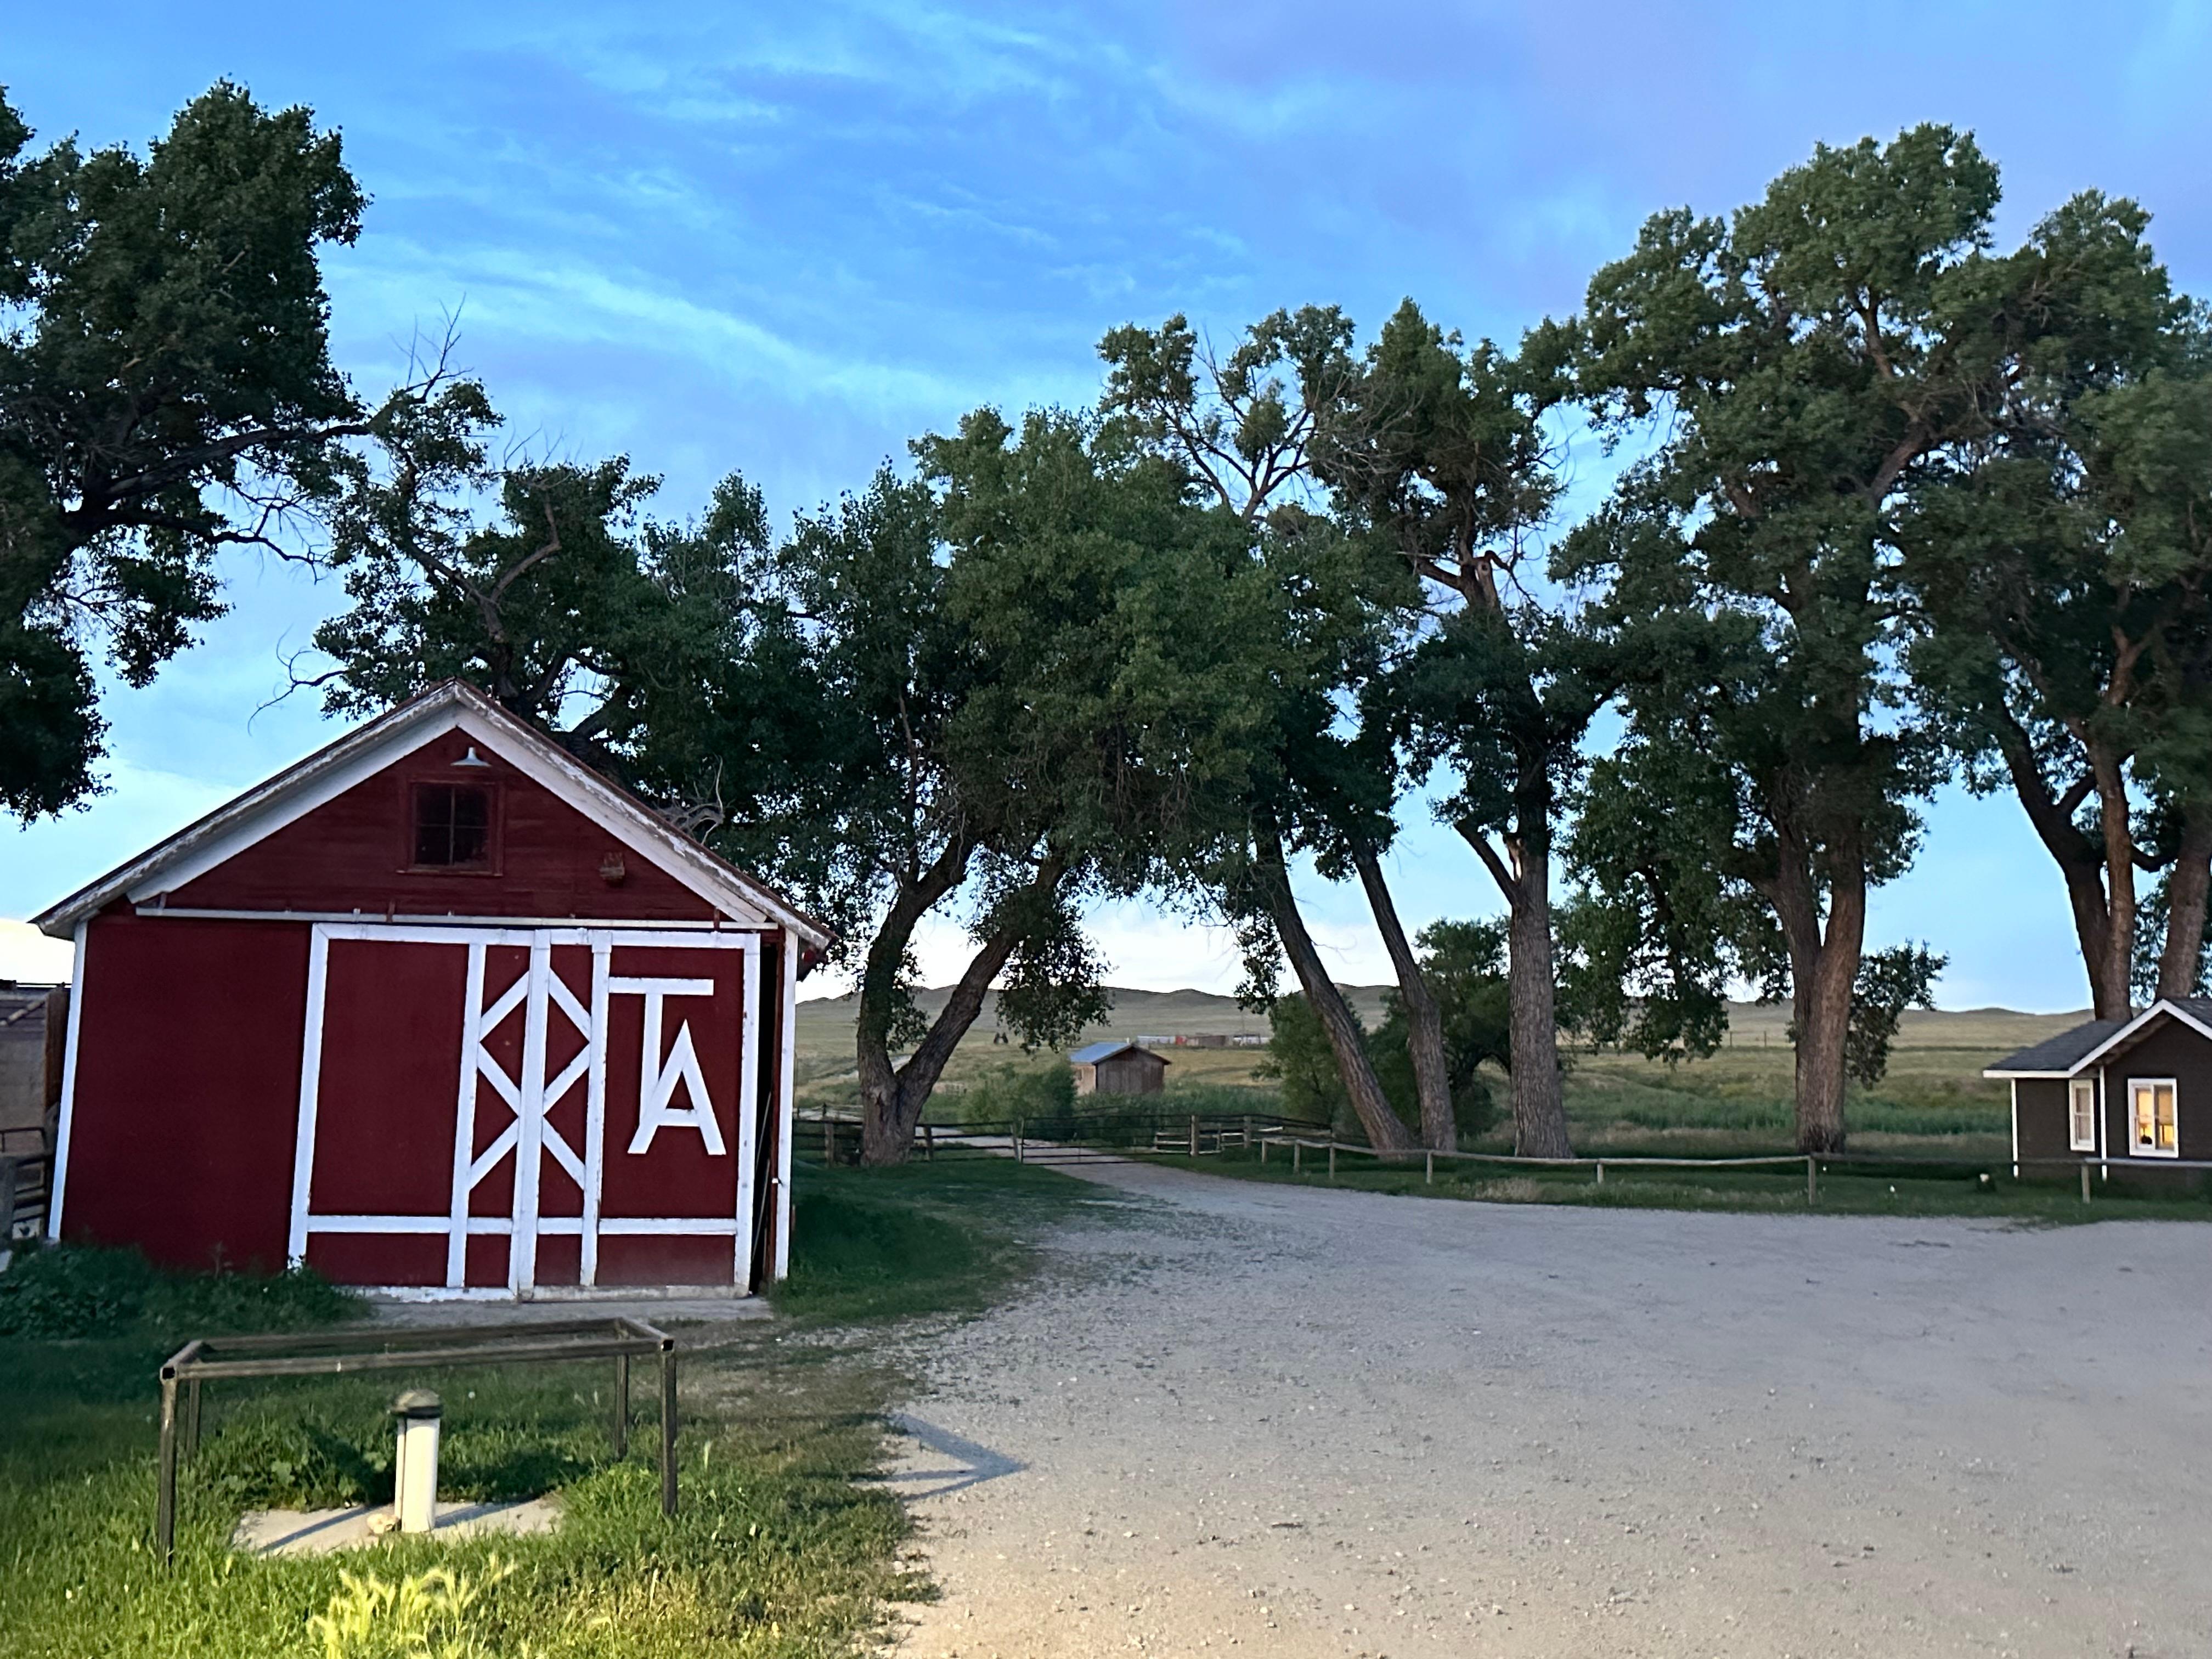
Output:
x,y
332,1353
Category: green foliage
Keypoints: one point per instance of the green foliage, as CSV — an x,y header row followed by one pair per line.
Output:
x,y
1300,1059
1042,1096
80,1291
165,391
1889,981
1464,965
423,1615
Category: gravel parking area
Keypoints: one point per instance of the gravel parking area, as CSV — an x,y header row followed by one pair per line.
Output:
x,y
1306,1422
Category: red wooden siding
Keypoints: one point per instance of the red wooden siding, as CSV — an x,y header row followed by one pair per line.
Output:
x,y
352,853
187,1088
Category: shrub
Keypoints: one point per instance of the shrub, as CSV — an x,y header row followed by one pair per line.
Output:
x,y
79,1290
1036,1095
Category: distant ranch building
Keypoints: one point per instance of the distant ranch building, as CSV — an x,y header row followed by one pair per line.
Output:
x,y
440,1010
1118,1068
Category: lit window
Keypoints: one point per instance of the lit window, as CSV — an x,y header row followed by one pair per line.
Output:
x,y
2151,1107
453,826
2081,1114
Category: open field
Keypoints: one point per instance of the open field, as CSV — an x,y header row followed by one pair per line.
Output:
x,y
1313,1425
1934,1097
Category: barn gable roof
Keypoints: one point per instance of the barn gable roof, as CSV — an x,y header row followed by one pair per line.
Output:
x,y
1096,1052
361,754
2071,1053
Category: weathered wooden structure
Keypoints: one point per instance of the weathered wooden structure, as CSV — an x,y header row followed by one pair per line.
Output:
x,y
1118,1068
439,1010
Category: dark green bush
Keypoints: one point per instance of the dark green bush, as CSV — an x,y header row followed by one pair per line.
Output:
x,y
77,1290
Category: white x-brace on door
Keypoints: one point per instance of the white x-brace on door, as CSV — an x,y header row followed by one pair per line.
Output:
x,y
568,1040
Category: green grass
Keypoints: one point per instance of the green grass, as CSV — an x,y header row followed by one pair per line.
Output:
x,y
944,1237
782,1549
1901,1186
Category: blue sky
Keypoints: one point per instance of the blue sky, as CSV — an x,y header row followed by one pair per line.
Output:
x,y
784,240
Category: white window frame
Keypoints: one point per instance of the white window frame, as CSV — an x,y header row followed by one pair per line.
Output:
x,y
2080,1123
2136,1086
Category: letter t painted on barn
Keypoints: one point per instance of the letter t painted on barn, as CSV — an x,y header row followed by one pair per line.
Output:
x,y
657,1079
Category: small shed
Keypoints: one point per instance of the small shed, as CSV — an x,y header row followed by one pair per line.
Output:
x,y
2129,1095
31,1020
440,1010
1118,1068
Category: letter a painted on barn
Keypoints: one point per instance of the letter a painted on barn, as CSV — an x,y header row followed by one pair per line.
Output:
x,y
657,1079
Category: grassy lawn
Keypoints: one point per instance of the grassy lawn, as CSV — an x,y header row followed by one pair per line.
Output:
x,y
1889,1187
780,1548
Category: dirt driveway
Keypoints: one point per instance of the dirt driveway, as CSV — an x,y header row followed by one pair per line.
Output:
x,y
1315,1423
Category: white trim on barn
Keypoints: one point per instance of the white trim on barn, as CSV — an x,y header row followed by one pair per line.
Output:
x,y
787,1120
540,992
57,1178
361,754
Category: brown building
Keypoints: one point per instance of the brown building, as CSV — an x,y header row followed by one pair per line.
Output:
x,y
1118,1068
2133,1089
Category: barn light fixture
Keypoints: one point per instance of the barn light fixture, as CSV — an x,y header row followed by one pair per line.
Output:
x,y
472,758
612,871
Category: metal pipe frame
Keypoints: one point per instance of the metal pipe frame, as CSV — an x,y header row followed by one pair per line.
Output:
x,y
332,1353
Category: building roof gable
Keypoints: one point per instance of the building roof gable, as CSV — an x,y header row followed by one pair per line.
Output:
x,y
454,705
1096,1052
2072,1052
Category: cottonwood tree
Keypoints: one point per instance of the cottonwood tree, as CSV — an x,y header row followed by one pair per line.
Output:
x,y
1033,661
1806,364
1243,428
1439,447
165,393
2060,567
652,651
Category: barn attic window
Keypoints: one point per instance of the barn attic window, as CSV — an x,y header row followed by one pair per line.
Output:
x,y
453,826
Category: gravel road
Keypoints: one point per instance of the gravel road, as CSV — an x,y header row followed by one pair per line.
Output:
x,y
1324,1423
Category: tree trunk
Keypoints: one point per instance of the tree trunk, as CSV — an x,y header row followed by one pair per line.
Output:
x,y
1539,1108
2081,863
892,1101
1425,1026
2185,892
1385,1132
2112,976
1824,967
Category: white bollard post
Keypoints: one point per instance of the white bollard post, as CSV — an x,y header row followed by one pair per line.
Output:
x,y
414,1479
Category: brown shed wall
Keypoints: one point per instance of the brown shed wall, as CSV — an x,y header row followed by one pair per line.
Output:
x,y
1130,1074
2040,1118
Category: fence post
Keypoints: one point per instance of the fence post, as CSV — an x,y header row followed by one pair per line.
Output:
x,y
668,1430
1297,1156
1332,1160
164,1496
1263,1151
2085,1181
1017,1140
1428,1169
1600,1172
1812,1181
828,1141
1247,1132
1193,1134
622,1406
929,1143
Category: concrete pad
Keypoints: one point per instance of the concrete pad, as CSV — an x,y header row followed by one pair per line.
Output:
x,y
322,1532
682,1305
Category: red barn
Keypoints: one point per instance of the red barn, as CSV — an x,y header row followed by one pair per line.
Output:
x,y
439,1010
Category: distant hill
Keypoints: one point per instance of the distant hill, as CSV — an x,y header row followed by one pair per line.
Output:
x,y
1184,1013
